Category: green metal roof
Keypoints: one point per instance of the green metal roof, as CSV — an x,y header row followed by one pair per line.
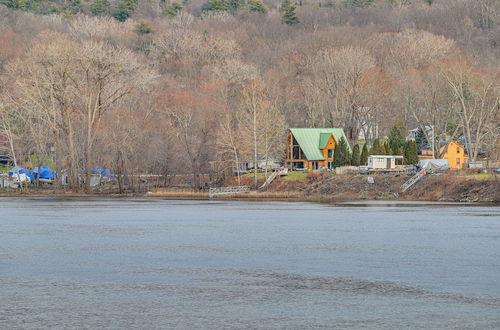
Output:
x,y
312,140
323,139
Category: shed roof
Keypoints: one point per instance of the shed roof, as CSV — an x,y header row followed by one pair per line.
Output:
x,y
312,140
386,156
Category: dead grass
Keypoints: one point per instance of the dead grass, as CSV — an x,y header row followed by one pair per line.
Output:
x,y
249,195
177,194
267,195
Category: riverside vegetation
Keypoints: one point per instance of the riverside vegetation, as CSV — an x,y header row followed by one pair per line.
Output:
x,y
193,87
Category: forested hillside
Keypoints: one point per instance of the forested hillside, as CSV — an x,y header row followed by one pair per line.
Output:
x,y
194,86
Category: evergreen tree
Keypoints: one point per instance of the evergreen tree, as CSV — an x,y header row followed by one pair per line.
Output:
x,y
364,155
387,149
125,9
99,7
257,6
420,139
289,16
377,148
172,9
342,154
411,153
19,4
216,5
397,139
355,159
234,5
358,3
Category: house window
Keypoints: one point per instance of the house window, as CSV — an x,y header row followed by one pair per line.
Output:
x,y
330,165
458,161
315,165
296,153
458,150
330,153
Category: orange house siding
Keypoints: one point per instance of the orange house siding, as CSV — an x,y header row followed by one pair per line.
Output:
x,y
455,154
330,145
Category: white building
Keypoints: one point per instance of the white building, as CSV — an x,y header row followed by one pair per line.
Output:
x,y
429,131
382,161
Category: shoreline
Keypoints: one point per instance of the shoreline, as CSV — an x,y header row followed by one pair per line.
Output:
x,y
323,189
243,197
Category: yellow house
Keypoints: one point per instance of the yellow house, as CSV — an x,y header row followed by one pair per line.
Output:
x,y
426,153
455,153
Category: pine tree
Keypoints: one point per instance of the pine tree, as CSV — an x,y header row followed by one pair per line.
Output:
x,y
387,149
364,155
358,3
99,7
125,9
420,139
257,6
234,5
376,148
172,9
397,139
355,159
216,5
411,153
289,16
342,154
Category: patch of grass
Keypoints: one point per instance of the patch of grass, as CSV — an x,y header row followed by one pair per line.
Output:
x,y
259,175
294,176
481,176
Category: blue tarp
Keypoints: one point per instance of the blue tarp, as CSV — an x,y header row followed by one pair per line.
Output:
x,y
45,173
103,172
20,170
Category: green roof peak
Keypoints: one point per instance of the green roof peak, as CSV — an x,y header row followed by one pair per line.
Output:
x,y
312,140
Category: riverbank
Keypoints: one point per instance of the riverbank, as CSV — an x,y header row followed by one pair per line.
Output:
x,y
327,187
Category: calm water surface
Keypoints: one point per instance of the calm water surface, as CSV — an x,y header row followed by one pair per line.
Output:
x,y
162,264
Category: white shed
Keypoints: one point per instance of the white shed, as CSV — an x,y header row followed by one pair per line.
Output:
x,y
382,161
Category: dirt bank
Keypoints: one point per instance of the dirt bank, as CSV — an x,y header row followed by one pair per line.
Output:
x,y
328,187
447,187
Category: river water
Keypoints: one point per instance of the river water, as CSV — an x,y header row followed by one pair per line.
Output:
x,y
164,264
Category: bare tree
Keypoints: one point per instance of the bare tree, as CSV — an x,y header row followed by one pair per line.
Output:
x,y
477,100
341,74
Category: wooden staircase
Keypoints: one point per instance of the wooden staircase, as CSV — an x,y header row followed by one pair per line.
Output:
x,y
269,180
412,181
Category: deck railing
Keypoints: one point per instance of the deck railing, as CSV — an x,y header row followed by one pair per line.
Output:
x,y
228,190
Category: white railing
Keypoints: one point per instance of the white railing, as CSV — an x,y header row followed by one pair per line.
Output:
x,y
228,190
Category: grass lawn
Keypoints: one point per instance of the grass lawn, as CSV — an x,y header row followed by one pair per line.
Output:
x,y
294,176
291,175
